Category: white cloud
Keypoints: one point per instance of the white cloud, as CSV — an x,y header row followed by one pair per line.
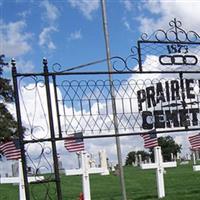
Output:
x,y
52,12
128,4
76,35
45,40
50,15
14,41
127,24
164,11
24,14
87,7
25,66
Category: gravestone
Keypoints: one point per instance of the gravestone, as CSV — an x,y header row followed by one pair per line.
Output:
x,y
197,154
194,158
172,157
103,162
149,159
178,156
15,169
140,159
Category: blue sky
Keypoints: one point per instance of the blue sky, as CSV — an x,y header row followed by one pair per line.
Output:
x,y
70,32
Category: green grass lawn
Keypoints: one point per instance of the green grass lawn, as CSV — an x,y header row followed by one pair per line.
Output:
x,y
181,183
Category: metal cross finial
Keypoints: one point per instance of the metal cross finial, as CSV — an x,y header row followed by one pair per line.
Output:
x,y
45,62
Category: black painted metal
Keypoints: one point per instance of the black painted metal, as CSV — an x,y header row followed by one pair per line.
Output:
x,y
175,33
82,89
51,124
57,107
20,129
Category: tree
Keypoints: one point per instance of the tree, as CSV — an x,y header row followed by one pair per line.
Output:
x,y
168,146
130,158
8,125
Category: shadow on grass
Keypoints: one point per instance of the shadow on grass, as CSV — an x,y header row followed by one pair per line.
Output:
x,y
145,197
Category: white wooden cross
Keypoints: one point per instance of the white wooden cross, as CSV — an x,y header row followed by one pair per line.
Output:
x,y
159,165
85,170
20,180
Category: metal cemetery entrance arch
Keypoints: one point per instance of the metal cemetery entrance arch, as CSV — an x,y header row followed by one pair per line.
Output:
x,y
155,89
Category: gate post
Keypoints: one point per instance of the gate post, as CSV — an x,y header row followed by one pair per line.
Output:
x,y
20,129
52,132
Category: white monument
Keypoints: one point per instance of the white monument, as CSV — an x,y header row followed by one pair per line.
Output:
x,y
20,180
159,165
178,156
172,157
195,167
197,154
194,158
136,160
15,169
103,162
140,159
85,170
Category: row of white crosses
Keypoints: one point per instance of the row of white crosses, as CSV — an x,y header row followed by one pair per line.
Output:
x,y
20,180
85,170
159,165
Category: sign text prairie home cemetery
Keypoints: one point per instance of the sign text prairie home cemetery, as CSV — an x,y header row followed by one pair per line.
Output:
x,y
171,95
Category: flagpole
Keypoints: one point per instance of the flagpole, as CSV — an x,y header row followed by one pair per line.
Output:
x,y
114,110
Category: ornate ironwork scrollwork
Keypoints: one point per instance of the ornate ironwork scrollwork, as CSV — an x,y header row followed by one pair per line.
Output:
x,y
56,67
119,64
174,34
39,162
178,60
128,64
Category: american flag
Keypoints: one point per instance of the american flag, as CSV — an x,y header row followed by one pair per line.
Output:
x,y
75,144
11,149
195,141
150,140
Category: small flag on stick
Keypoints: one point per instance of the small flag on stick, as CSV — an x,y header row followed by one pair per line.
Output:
x,y
11,149
150,140
195,141
75,142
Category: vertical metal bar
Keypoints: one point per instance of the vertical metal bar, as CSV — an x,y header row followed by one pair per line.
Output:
x,y
114,110
20,129
52,132
183,95
57,107
139,56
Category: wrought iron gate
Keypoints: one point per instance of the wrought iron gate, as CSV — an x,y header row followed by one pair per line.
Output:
x,y
156,89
